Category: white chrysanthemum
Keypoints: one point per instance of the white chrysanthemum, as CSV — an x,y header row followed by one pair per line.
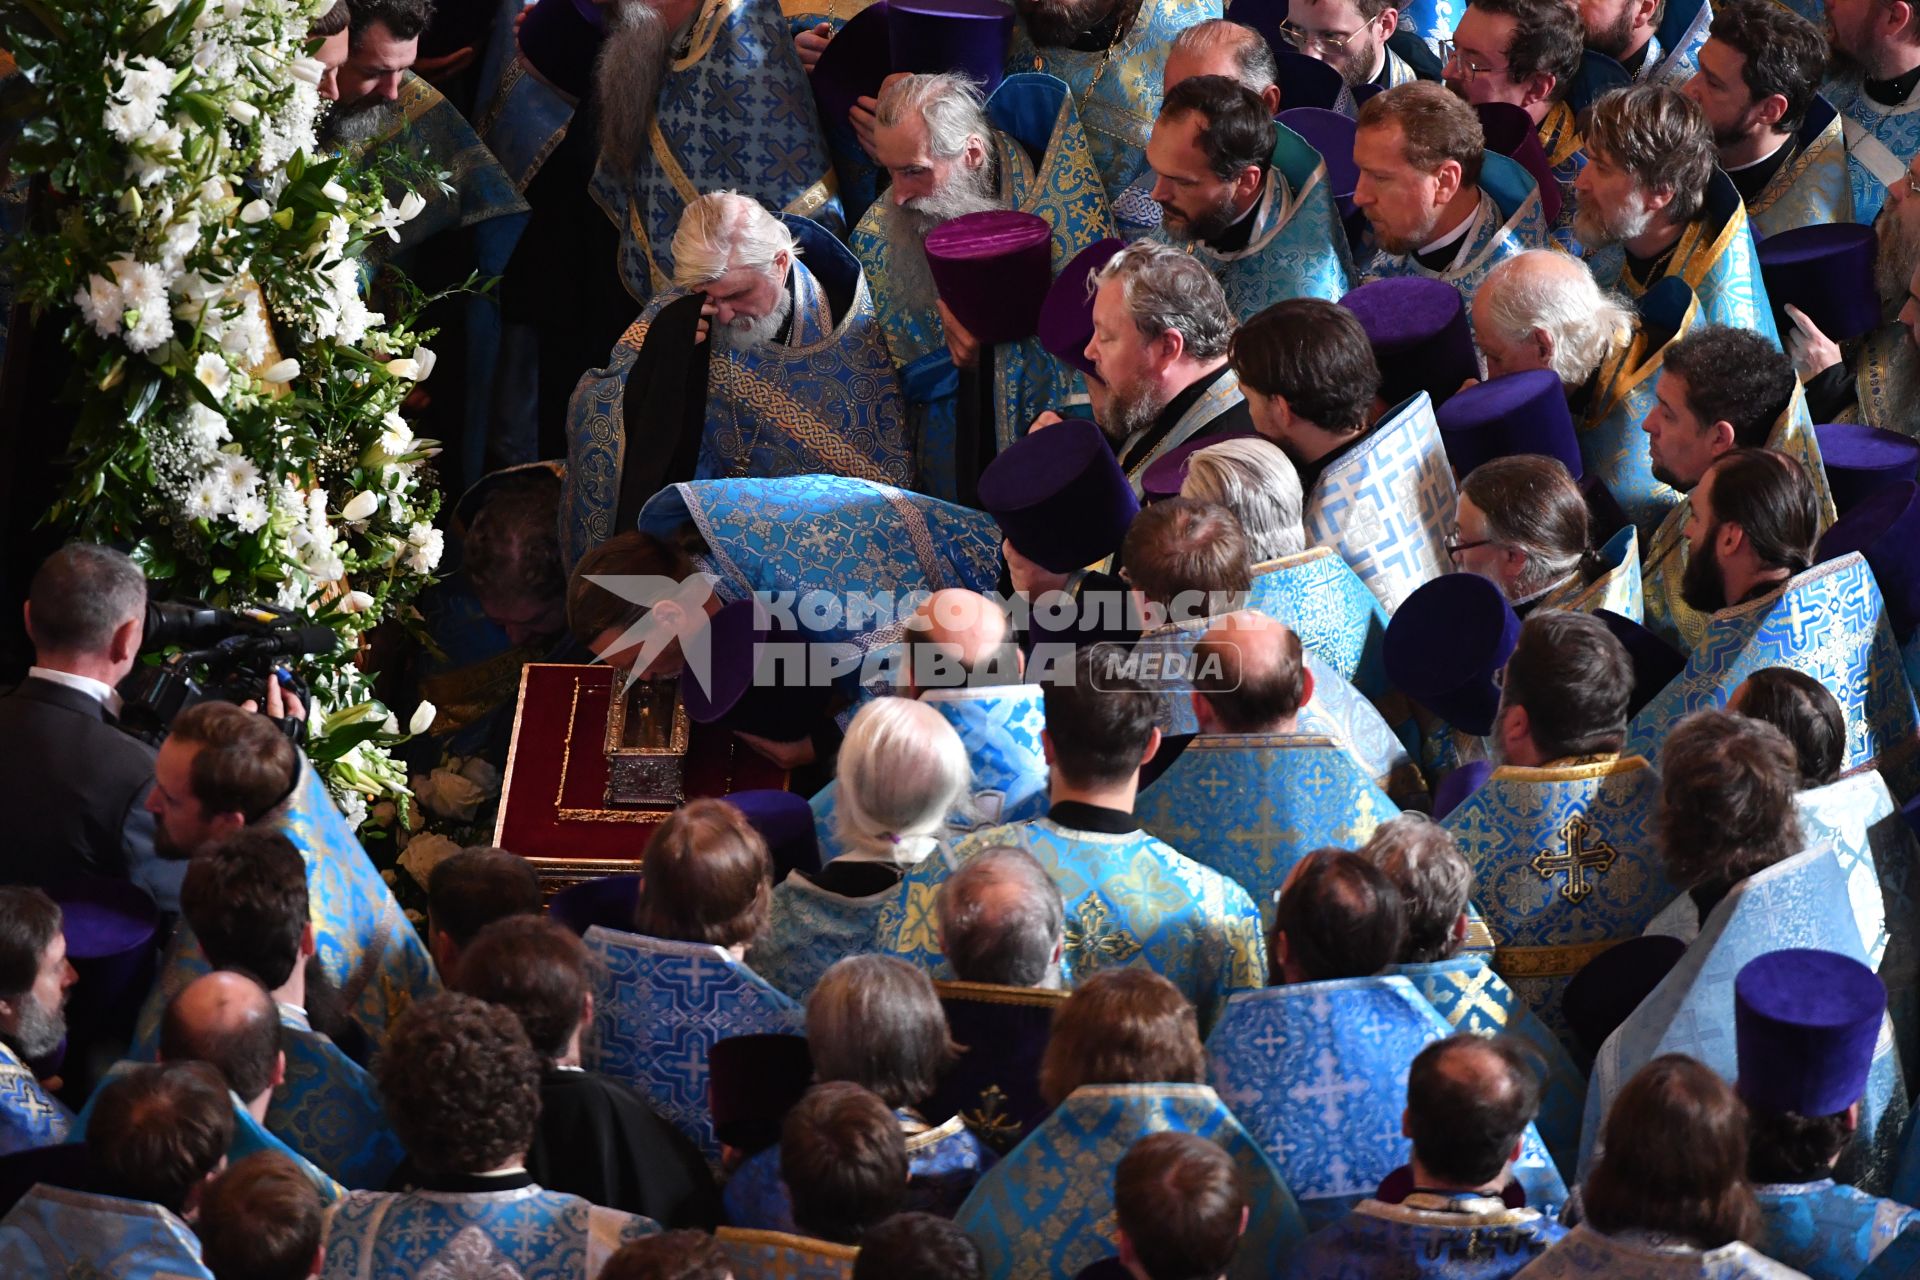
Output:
x,y
323,563
135,107
203,428
208,499
214,373
247,335
143,286
151,330
159,151
180,238
396,437
249,513
291,596
101,305
427,543
241,473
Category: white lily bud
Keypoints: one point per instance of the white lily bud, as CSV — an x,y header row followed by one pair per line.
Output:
x,y
243,111
256,212
356,602
307,69
404,368
422,718
281,371
334,192
360,506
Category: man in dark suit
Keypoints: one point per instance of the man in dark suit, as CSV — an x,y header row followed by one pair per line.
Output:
x,y
72,784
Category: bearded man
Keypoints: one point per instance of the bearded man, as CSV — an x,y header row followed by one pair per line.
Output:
x,y
1161,328
766,360
34,977
672,76
948,153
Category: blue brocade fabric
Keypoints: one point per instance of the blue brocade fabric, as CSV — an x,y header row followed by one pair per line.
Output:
x,y
1117,90
831,534
943,1164
1586,1253
1617,588
1252,805
1881,140
528,1234
1829,1231
369,949
735,113
1613,444
809,928
1830,623
1426,1237
661,1007
1471,997
1800,902
1130,899
1673,52
55,1232
1298,248
1813,188
29,1115
1386,503
1564,866
1317,1072
1046,1210
329,1109
1324,602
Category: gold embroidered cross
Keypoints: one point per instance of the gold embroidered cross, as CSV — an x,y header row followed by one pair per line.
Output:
x,y
1575,857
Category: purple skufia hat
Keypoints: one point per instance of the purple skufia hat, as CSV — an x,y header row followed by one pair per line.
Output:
x,y
1445,644
1305,82
1510,131
1420,336
752,1082
1060,496
747,689
1331,134
610,902
1656,664
1885,528
560,39
853,65
993,270
1611,986
1862,460
785,821
1805,1023
1066,314
965,37
1458,785
1501,417
1827,271
1163,478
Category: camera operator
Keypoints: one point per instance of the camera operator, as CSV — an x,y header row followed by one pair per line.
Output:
x,y
221,768
72,784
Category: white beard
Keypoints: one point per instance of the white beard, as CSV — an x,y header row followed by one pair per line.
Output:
x,y
907,228
358,127
744,334
1597,230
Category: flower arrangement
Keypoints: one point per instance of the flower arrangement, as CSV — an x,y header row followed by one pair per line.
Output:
x,y
239,403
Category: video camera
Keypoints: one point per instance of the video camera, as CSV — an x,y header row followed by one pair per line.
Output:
x,y
223,655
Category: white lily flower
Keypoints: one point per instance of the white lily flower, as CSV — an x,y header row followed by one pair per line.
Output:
x,y
334,192
307,70
412,205
281,371
213,373
422,719
425,359
404,368
256,212
356,602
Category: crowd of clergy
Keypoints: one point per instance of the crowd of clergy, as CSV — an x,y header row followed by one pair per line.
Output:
x,y
1387,749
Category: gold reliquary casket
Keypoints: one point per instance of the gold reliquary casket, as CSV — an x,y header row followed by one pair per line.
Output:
x,y
646,746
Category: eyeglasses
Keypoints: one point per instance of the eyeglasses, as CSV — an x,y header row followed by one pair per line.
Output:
x,y
1455,548
1303,39
1451,56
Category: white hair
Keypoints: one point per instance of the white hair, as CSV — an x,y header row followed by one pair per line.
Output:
x,y
723,230
902,768
949,105
1546,289
1252,478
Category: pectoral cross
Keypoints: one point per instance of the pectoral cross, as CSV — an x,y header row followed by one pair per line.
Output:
x,y
1575,857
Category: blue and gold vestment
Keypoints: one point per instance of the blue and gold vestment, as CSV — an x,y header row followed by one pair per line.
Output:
x,y
1565,865
1427,1236
1715,255
775,1255
329,1109
1317,1072
1046,1211
1386,503
1880,140
1613,443
29,1115
56,1232
1828,1230
1813,188
1323,601
528,1233
1584,1253
1508,220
